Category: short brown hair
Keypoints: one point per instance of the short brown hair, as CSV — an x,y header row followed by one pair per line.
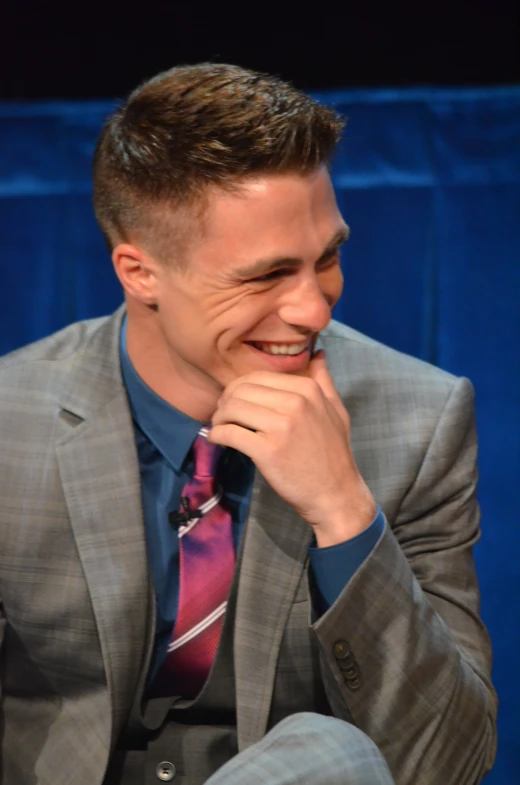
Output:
x,y
200,125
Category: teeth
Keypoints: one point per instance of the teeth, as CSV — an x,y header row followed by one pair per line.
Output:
x,y
281,348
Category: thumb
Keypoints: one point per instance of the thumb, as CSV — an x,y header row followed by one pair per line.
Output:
x,y
318,367
319,371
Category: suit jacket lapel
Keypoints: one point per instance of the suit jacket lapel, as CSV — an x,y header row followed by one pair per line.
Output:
x,y
274,555
100,475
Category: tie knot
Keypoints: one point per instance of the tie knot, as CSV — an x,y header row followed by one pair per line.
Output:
x,y
205,455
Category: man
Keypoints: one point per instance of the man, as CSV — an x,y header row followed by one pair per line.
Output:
x,y
236,537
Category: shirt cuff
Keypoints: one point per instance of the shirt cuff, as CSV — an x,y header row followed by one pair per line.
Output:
x,y
333,566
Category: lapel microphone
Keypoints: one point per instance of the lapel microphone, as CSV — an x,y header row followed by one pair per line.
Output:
x,y
185,514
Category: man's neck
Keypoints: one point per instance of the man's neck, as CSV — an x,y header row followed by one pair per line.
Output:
x,y
179,386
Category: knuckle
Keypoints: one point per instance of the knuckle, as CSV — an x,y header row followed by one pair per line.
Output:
x,y
254,377
308,384
222,407
285,425
297,404
240,407
275,451
312,389
226,393
248,389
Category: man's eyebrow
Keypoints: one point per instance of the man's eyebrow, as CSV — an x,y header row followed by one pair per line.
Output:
x,y
264,266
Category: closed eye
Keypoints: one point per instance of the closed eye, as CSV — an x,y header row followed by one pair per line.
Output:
x,y
329,260
279,273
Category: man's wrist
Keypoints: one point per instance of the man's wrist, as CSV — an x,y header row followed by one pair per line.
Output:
x,y
344,522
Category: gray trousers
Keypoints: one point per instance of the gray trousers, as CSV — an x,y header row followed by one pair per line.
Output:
x,y
308,749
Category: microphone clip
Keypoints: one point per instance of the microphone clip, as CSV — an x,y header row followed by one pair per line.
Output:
x,y
185,514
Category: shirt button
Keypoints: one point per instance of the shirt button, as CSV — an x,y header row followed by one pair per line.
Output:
x,y
165,771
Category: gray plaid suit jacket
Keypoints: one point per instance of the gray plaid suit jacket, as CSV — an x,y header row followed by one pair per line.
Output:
x,y
77,607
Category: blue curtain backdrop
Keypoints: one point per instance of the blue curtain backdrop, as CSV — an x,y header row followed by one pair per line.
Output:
x,y
429,181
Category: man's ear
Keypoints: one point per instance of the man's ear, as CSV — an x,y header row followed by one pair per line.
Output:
x,y
137,272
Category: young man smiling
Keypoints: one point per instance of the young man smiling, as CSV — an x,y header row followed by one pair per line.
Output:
x,y
324,626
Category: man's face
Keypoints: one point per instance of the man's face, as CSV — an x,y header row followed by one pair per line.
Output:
x,y
258,286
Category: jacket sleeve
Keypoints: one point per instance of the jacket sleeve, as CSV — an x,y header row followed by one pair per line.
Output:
x,y
2,633
403,651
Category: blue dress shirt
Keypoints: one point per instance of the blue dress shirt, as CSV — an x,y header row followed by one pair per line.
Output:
x,y
163,438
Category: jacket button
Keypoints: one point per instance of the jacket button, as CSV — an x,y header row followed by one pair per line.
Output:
x,y
353,683
347,663
165,771
341,650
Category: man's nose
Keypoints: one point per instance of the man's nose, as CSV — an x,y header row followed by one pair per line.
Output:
x,y
306,305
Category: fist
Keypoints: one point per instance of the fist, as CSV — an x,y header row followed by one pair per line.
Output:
x,y
297,433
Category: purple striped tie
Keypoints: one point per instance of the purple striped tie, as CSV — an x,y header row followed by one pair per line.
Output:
x,y
207,561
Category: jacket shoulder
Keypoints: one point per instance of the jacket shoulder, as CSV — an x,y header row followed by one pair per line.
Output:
x,y
82,358
352,354
60,345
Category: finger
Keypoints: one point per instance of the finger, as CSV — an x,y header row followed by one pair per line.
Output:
x,y
319,371
247,442
249,414
268,379
279,400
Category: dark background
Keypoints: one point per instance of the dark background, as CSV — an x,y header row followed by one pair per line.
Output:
x,y
58,49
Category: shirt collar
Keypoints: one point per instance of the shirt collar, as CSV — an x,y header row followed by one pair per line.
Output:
x,y
171,431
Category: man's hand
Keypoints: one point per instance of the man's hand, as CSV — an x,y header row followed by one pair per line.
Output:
x,y
296,432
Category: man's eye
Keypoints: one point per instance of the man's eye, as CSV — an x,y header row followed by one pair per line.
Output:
x,y
330,261
271,276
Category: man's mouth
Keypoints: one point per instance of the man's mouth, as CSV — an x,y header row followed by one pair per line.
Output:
x,y
281,349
